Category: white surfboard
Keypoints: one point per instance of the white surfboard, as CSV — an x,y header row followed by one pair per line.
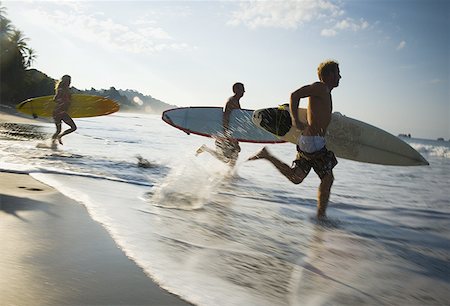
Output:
x,y
208,121
348,138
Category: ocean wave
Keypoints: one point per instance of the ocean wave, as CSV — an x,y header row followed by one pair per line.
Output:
x,y
439,151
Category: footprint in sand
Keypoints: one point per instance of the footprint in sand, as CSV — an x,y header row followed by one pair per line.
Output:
x,y
30,189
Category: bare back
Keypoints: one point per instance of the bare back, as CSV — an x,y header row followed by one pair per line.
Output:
x,y
232,103
318,111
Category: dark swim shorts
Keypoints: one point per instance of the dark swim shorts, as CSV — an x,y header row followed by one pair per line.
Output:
x,y
229,148
322,161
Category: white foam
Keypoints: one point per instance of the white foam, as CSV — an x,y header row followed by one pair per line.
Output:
x,y
16,168
432,150
188,186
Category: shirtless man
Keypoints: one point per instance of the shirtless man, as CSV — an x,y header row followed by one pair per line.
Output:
x,y
62,99
227,149
311,150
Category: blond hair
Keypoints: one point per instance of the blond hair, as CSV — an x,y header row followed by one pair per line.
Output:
x,y
326,68
65,80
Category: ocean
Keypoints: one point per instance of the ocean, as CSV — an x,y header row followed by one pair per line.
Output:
x,y
250,238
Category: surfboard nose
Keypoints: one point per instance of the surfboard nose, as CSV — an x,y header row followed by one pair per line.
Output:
x,y
422,161
166,118
415,157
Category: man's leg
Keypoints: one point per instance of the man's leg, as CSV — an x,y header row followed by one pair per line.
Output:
x,y
200,150
324,194
295,175
58,130
73,127
233,160
214,153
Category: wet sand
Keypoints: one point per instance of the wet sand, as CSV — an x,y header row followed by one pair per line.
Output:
x,y
53,253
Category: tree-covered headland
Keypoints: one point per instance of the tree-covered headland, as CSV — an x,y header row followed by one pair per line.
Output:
x,y
18,81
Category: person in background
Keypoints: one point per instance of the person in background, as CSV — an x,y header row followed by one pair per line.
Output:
x,y
311,150
60,114
227,149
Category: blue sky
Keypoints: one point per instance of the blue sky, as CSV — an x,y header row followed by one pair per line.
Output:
x,y
394,55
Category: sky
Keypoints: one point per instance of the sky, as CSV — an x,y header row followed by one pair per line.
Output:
x,y
394,55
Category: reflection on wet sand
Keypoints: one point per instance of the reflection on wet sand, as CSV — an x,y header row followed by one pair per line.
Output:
x,y
19,131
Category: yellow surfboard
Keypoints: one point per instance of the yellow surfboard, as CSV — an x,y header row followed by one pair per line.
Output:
x,y
81,106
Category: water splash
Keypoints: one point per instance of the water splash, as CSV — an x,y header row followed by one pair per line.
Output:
x,y
188,186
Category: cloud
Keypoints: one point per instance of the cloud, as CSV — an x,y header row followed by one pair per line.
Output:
x,y
328,32
401,45
347,24
435,81
72,5
138,37
282,14
293,14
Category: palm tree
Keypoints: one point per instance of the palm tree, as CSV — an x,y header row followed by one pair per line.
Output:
x,y
19,40
30,57
5,25
12,63
13,37
15,58
6,28
2,11
2,8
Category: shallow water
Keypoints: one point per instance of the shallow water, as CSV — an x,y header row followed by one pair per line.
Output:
x,y
250,238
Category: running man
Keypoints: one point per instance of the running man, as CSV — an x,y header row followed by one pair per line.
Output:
x,y
311,150
227,149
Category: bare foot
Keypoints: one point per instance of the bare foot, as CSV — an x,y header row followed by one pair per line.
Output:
x,y
59,139
321,216
143,163
200,150
321,212
260,155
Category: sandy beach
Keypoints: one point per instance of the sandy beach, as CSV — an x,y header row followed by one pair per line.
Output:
x,y
53,253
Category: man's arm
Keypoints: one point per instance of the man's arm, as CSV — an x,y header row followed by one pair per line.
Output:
x,y
226,119
226,114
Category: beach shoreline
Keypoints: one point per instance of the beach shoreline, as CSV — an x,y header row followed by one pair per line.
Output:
x,y
250,240
8,114
54,253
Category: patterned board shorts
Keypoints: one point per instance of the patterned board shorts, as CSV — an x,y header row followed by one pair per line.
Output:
x,y
322,161
228,148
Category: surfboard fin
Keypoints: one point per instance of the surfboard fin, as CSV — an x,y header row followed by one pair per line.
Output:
x,y
284,106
